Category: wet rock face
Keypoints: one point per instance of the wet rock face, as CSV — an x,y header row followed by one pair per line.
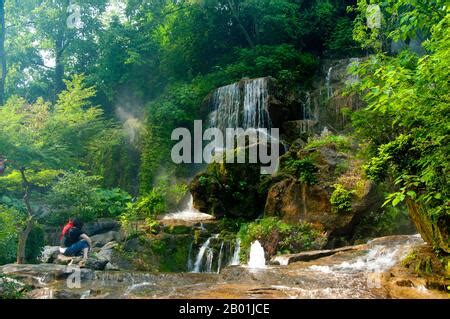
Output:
x,y
101,226
228,190
295,201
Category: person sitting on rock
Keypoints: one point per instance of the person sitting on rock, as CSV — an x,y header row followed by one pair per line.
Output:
x,y
75,242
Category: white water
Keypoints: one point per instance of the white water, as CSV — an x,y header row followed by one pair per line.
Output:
x,y
377,259
234,106
257,258
256,104
201,253
235,261
190,263
219,265
328,83
188,214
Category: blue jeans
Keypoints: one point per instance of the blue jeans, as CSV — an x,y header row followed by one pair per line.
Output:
x,y
77,248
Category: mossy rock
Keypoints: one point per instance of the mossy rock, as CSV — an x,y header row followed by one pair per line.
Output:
x,y
228,189
157,253
309,176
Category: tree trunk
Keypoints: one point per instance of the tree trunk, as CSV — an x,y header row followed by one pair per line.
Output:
x,y
2,52
240,25
59,66
23,237
30,219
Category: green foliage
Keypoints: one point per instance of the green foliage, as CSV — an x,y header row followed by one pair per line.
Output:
x,y
77,194
387,221
282,62
277,236
338,142
341,199
12,289
341,43
152,203
408,102
12,183
304,169
9,221
35,244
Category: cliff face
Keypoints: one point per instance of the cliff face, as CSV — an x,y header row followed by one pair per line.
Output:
x,y
238,190
335,198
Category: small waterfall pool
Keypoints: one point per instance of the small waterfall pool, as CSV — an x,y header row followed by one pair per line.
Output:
x,y
189,213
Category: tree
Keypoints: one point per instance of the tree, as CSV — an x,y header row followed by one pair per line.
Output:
x,y
2,52
39,136
410,92
48,41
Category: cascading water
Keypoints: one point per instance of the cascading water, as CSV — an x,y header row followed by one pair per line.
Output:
x,y
328,82
188,214
257,258
209,259
226,105
256,104
200,256
219,266
235,261
190,263
213,255
241,105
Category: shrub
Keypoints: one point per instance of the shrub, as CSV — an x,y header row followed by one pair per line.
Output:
x,y
9,219
304,169
77,194
341,199
338,142
277,236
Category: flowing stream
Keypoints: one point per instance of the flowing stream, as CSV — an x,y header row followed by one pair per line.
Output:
x,y
355,273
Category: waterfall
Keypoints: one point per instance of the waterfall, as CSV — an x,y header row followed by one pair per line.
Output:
x,y
189,213
209,259
256,104
257,258
219,265
190,263
328,83
242,104
201,253
307,107
235,261
226,103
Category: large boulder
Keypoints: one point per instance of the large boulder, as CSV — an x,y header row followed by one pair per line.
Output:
x,y
100,240
101,226
49,254
228,189
40,275
295,200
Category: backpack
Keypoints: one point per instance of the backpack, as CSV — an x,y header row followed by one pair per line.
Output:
x,y
66,229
